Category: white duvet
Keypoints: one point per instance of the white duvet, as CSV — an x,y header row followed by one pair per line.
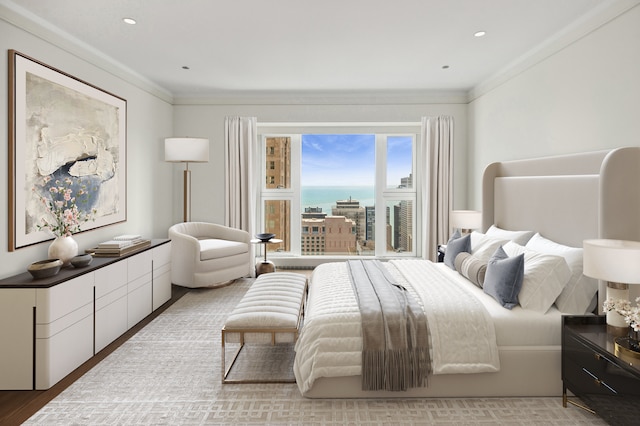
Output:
x,y
462,334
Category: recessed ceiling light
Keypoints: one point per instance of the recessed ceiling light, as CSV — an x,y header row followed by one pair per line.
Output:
x,y
480,34
129,21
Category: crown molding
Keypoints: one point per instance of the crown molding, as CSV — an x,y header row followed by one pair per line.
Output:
x,y
598,17
328,98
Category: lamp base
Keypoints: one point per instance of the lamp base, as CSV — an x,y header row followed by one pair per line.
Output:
x,y
186,189
618,331
615,320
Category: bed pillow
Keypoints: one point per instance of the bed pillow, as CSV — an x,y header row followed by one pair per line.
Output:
x,y
545,276
518,237
483,246
471,268
577,295
504,276
455,246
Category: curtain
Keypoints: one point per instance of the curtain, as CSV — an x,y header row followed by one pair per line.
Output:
x,y
241,145
436,139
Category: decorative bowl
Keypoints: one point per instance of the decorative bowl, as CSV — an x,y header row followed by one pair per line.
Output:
x,y
45,268
81,260
265,237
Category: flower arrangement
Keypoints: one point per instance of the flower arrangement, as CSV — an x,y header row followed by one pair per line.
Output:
x,y
631,314
62,206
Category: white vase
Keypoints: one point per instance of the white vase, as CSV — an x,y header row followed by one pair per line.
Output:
x,y
63,248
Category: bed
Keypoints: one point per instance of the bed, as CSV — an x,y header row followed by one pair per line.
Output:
x,y
558,202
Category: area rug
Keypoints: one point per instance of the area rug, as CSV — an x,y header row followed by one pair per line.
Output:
x,y
169,373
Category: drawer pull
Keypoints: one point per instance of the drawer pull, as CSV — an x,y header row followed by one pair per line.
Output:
x,y
599,382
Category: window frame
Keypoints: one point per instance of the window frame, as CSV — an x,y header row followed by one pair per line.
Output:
x,y
383,195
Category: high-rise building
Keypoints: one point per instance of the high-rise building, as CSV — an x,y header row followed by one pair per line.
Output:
x,y
278,175
351,209
340,235
313,213
328,235
312,237
370,215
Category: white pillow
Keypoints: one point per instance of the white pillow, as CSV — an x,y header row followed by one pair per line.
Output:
x,y
483,246
578,294
519,237
545,276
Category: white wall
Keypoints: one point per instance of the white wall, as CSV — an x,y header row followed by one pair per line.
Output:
x,y
149,180
584,98
208,121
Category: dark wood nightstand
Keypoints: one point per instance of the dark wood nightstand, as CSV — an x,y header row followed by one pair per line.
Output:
x,y
607,384
442,248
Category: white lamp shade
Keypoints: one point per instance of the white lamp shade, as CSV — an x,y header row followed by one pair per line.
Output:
x,y
192,150
466,219
615,261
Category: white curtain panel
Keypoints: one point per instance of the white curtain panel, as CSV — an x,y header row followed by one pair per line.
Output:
x,y
436,139
241,148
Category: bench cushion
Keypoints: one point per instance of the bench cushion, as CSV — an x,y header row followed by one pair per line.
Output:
x,y
273,301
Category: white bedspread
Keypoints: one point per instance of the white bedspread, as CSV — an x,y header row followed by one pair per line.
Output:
x,y
462,335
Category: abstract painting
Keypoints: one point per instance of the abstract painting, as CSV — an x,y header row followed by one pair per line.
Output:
x,y
62,130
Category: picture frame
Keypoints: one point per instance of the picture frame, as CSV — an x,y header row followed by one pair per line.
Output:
x,y
62,130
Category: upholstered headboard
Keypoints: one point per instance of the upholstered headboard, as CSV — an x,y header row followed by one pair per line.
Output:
x,y
567,198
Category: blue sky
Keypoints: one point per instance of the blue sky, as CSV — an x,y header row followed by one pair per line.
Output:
x,y
349,160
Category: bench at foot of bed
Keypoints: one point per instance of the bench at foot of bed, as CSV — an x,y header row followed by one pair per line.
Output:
x,y
269,313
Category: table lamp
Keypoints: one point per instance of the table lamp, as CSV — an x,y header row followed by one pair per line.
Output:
x,y
618,263
186,150
465,220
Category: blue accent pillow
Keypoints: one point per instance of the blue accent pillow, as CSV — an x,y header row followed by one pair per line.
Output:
x,y
455,246
503,279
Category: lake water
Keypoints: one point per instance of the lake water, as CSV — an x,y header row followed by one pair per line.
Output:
x,y
326,196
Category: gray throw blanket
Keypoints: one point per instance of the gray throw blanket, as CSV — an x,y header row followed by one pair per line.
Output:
x,y
395,352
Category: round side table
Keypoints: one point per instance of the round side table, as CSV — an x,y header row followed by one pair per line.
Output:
x,y
264,266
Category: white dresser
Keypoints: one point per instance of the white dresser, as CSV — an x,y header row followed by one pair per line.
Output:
x,y
50,326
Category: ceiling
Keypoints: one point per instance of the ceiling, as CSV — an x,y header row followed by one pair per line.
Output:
x,y
305,46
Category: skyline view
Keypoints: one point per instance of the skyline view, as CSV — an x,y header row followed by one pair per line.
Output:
x,y
337,190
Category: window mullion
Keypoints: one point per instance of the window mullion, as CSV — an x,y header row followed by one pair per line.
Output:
x,y
380,202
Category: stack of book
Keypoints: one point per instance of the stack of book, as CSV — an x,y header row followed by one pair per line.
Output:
x,y
120,245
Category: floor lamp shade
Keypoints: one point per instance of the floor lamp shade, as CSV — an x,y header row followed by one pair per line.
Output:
x,y
618,263
186,150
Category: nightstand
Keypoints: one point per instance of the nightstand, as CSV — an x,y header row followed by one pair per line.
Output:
x,y
607,384
442,248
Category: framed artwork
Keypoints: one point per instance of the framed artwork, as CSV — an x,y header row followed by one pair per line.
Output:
x,y
63,133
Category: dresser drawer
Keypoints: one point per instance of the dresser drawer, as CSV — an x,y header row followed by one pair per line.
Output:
x,y
584,380
605,383
604,372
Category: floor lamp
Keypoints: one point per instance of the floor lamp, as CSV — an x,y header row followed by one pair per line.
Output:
x,y
186,150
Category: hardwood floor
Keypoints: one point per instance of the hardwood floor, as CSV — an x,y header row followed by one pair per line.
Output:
x,y
17,406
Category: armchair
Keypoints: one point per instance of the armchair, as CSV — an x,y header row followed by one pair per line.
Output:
x,y
208,255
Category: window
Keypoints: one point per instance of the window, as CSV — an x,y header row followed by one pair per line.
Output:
x,y
355,192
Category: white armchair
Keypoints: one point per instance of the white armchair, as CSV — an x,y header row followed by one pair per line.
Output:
x,y
208,255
